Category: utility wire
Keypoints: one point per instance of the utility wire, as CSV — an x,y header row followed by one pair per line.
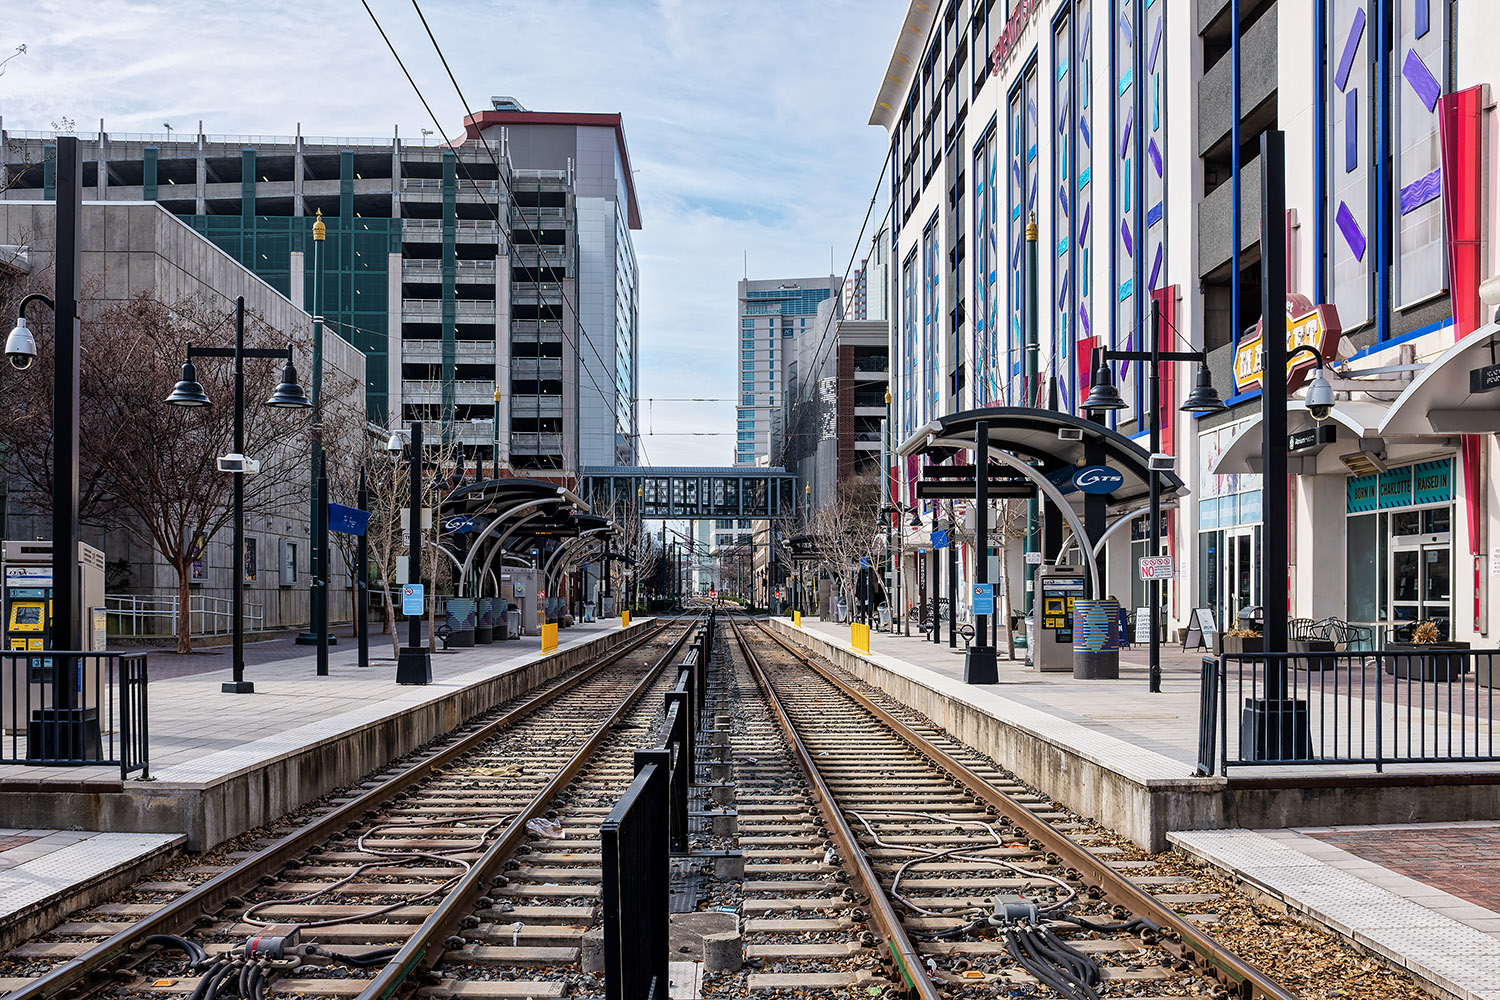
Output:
x,y
501,227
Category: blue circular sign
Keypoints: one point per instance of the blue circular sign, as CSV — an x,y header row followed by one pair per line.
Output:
x,y
1098,479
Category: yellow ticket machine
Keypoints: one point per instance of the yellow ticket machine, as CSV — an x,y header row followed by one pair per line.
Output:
x,y
27,594
1058,587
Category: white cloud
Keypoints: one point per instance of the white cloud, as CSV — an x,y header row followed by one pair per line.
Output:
x,y
745,122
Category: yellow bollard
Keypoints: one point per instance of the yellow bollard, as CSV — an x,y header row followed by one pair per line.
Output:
x,y
624,619
797,618
549,637
859,636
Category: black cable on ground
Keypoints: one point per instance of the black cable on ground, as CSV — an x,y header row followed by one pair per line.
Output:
x,y
195,953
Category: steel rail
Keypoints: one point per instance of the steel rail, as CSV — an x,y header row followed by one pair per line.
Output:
x,y
426,947
1249,980
919,985
89,969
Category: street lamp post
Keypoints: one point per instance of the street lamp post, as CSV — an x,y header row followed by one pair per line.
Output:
x,y
414,663
1104,396
362,581
288,395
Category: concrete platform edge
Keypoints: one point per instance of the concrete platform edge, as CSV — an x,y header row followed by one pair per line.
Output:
x,y
1141,809
33,919
210,813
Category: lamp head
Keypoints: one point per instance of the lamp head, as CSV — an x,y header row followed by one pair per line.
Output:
x,y
289,395
1204,398
1319,397
188,391
1102,393
20,346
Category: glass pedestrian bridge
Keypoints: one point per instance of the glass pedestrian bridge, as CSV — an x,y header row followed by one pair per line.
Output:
x,y
753,492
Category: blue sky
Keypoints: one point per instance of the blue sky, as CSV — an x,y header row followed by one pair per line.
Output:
x,y
745,121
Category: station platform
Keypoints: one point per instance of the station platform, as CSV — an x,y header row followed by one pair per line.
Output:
x,y
46,873
1424,896
1113,751
222,764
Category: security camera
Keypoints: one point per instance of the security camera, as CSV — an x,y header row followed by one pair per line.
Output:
x,y
20,346
1319,397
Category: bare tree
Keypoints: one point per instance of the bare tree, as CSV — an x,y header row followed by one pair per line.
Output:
x,y
153,464
637,548
848,530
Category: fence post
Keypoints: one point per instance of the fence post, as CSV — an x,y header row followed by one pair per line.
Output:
x,y
636,870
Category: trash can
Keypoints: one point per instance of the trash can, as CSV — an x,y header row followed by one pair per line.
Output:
x,y
513,622
484,622
1096,654
843,611
883,613
1252,619
460,612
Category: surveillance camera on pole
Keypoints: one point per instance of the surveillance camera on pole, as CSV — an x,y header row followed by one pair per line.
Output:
x,y
20,346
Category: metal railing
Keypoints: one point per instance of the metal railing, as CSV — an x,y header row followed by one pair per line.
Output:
x,y
1409,706
103,722
132,615
646,826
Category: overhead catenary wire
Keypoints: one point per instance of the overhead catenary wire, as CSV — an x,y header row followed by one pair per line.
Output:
x,y
501,227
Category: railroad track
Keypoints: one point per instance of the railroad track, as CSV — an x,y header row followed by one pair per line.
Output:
x,y
920,864
469,863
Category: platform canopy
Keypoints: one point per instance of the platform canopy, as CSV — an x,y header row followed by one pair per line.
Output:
x,y
1440,400
1054,442
486,521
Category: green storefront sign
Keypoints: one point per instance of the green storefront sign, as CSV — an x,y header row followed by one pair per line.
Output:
x,y
1362,493
1434,481
1409,485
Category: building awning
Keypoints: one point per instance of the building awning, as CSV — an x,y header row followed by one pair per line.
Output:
x,y
1054,441
1351,423
1439,400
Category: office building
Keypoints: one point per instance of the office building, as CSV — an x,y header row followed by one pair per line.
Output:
x,y
498,264
773,314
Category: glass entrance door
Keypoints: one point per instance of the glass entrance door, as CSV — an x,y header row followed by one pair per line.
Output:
x,y
1241,573
1421,582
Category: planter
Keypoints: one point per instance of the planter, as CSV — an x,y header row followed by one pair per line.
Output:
x,y
1428,661
1235,644
1311,647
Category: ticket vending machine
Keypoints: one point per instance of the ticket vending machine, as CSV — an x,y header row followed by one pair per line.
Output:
x,y
27,572
1057,588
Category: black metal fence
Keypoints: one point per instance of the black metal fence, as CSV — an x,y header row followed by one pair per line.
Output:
x,y
1410,706
647,826
74,708
633,840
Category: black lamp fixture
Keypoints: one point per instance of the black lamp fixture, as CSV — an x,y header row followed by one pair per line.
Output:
x,y
1102,393
1204,398
189,391
289,394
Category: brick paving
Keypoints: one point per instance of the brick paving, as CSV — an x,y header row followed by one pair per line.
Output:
x,y
1463,860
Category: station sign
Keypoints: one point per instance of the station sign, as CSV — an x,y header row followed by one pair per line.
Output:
x,y
1316,326
961,482
940,539
1099,479
347,520
459,524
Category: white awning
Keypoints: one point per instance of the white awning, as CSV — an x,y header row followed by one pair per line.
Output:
x,y
1352,420
1438,401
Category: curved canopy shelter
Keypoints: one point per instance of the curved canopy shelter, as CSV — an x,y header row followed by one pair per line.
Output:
x,y
1032,434
486,518
1046,447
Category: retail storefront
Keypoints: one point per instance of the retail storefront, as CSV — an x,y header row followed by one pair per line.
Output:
x,y
1399,563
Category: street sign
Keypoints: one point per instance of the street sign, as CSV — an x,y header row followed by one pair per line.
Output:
x,y
1099,479
1033,558
1156,567
940,539
411,600
1484,379
1313,437
984,599
347,520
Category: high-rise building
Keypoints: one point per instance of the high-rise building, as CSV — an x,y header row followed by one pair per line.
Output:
x,y
489,281
772,314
